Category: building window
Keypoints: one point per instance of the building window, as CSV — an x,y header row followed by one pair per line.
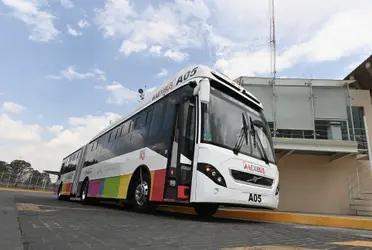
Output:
x,y
359,129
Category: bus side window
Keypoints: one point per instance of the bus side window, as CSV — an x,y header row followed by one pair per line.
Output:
x,y
117,130
139,122
130,126
63,168
149,118
109,137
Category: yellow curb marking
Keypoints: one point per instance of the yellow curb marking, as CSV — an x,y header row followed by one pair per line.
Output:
x,y
355,243
284,217
267,248
31,207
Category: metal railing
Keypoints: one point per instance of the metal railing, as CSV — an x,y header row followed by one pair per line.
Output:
x,y
322,132
9,180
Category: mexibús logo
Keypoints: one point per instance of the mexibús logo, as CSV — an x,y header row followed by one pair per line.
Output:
x,y
254,168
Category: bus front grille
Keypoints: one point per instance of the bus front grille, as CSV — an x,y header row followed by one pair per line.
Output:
x,y
251,178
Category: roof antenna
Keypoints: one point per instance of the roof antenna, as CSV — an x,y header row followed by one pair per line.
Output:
x,y
272,41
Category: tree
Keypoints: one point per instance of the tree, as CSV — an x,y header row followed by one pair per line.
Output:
x,y
3,166
18,168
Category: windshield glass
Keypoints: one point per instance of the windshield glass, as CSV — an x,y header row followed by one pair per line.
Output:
x,y
222,124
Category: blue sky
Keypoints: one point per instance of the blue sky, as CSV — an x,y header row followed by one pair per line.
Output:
x,y
69,67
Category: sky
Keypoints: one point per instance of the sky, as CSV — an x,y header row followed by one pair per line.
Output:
x,y
69,68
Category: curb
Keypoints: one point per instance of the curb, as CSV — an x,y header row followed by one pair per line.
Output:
x,y
24,190
351,222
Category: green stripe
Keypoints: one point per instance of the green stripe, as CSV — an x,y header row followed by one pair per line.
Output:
x,y
111,187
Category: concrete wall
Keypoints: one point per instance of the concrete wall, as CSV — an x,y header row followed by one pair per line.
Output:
x,y
315,184
311,183
362,98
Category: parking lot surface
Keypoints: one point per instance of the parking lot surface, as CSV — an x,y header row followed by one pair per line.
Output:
x,y
39,221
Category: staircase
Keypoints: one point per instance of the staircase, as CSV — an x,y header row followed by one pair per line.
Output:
x,y
360,188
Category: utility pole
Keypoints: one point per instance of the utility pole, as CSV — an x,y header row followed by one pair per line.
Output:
x,y
272,40
273,59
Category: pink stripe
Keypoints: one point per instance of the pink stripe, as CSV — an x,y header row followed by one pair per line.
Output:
x,y
94,188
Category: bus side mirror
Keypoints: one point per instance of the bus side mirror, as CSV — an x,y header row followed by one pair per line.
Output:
x,y
258,124
204,91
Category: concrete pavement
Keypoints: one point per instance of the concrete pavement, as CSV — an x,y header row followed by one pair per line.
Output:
x,y
39,221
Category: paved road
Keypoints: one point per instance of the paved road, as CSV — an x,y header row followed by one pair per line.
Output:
x,y
39,221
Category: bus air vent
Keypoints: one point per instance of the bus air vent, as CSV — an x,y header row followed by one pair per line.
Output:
x,y
251,178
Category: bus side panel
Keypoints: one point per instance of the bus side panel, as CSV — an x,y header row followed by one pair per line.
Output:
x,y
157,185
116,187
123,186
66,188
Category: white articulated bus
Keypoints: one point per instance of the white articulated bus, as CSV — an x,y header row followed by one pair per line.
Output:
x,y
200,139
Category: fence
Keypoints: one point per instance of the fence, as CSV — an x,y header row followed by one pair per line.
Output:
x,y
322,132
41,183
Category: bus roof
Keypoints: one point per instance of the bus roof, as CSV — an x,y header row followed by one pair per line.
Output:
x,y
180,79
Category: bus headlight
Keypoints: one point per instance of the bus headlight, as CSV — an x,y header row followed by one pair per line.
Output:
x,y
212,173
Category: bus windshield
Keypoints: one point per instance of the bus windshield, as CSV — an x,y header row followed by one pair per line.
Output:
x,y
222,125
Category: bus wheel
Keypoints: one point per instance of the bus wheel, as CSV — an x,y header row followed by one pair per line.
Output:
x,y
141,191
84,192
60,196
205,209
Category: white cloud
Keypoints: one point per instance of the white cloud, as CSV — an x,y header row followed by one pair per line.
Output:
x,y
118,94
70,73
169,26
83,23
155,49
311,35
243,63
27,141
40,22
176,55
72,31
128,47
162,73
68,4
233,31
13,130
344,34
150,90
12,107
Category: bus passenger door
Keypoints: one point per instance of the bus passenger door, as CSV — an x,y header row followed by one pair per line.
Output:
x,y
179,171
79,167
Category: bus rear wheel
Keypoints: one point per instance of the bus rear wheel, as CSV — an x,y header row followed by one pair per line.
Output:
x,y
84,192
60,196
140,192
205,209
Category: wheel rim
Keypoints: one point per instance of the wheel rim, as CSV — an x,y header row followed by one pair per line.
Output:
x,y
141,193
59,192
84,193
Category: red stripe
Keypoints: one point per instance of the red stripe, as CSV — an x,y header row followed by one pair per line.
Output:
x,y
157,192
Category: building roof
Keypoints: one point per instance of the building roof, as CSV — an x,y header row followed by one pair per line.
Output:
x,y
362,74
246,80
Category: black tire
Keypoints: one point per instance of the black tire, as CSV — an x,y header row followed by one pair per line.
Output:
x,y
205,209
84,192
140,192
60,196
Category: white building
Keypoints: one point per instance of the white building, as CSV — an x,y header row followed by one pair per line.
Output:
x,y
320,132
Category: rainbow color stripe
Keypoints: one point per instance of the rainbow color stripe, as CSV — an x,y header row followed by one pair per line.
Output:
x,y
117,187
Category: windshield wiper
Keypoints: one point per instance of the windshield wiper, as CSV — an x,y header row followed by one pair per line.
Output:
x,y
243,135
258,124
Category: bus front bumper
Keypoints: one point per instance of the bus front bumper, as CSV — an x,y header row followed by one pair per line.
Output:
x,y
253,196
